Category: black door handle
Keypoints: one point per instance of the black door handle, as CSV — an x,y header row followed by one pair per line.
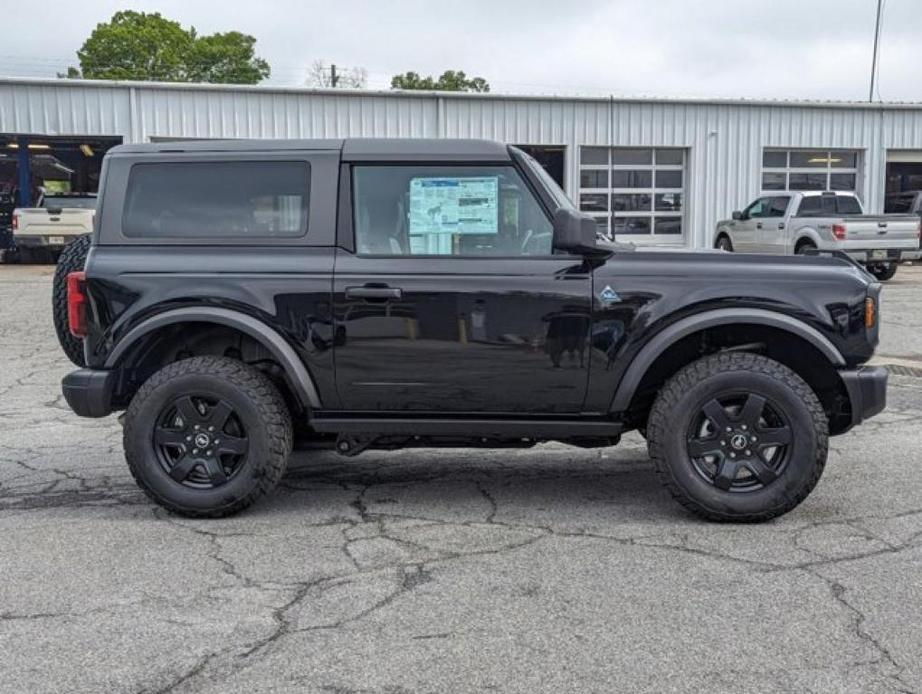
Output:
x,y
781,225
379,293
759,225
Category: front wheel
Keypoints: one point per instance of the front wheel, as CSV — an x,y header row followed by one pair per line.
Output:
x,y
724,244
206,437
883,272
738,437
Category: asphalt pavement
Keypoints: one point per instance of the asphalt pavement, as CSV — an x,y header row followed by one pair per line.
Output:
x,y
554,569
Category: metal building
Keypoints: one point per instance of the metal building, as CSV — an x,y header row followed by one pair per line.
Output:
x,y
658,171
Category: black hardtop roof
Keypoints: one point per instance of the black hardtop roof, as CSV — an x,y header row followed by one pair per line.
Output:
x,y
353,149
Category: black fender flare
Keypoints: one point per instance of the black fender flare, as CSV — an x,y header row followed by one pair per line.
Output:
x,y
284,353
669,335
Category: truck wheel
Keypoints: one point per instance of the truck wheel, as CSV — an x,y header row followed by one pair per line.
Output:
x,y
883,272
206,437
724,243
72,259
804,246
738,437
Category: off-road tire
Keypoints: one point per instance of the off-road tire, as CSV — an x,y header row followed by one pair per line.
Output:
x,y
73,259
701,380
261,409
884,274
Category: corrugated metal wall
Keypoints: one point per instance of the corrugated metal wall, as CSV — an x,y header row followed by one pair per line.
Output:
x,y
724,140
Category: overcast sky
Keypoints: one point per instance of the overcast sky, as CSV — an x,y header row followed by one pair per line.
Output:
x,y
798,49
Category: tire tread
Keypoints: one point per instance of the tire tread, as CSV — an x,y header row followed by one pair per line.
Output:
x,y
663,410
72,259
269,402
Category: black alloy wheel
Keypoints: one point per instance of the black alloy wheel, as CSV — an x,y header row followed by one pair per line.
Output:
x,y
206,437
200,441
739,437
739,442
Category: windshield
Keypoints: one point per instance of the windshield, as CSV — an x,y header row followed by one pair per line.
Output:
x,y
550,185
69,201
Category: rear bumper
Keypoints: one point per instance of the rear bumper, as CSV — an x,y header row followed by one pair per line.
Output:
x,y
867,391
865,256
89,391
43,240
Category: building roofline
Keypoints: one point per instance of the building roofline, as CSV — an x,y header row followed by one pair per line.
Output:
x,y
489,96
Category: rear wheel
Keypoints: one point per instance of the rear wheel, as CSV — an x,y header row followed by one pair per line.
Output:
x,y
207,436
738,437
804,246
883,272
72,259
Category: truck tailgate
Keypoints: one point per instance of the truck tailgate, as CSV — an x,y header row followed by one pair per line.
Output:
x,y
66,222
882,231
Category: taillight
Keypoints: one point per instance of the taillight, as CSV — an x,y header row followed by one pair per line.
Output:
x,y
15,222
76,304
838,230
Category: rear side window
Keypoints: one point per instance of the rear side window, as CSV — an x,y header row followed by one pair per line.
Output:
x,y
896,204
811,206
846,204
226,199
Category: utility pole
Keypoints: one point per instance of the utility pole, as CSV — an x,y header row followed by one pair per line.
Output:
x,y
876,44
334,78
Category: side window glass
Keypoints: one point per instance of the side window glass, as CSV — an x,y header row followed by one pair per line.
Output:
x,y
222,199
758,209
810,207
447,211
778,207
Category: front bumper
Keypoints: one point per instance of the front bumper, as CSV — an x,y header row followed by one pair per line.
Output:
x,y
89,391
867,391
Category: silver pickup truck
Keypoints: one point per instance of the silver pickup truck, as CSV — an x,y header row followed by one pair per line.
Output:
x,y
793,223
58,220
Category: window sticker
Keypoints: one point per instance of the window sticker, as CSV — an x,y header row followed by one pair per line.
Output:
x,y
454,205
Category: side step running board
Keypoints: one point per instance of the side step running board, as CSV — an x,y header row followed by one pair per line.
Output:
x,y
476,427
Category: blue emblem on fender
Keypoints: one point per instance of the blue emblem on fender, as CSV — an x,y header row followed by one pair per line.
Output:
x,y
609,295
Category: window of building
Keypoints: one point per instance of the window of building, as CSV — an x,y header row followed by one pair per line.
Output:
x,y
447,210
226,199
636,192
809,169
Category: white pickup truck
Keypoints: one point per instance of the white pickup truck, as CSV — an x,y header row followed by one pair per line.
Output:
x,y
58,220
794,223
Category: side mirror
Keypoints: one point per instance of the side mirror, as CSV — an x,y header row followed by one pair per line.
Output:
x,y
575,232
737,215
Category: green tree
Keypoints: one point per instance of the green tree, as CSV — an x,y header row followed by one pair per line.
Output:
x,y
448,81
226,58
140,46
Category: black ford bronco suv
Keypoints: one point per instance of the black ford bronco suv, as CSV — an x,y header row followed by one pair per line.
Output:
x,y
240,298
